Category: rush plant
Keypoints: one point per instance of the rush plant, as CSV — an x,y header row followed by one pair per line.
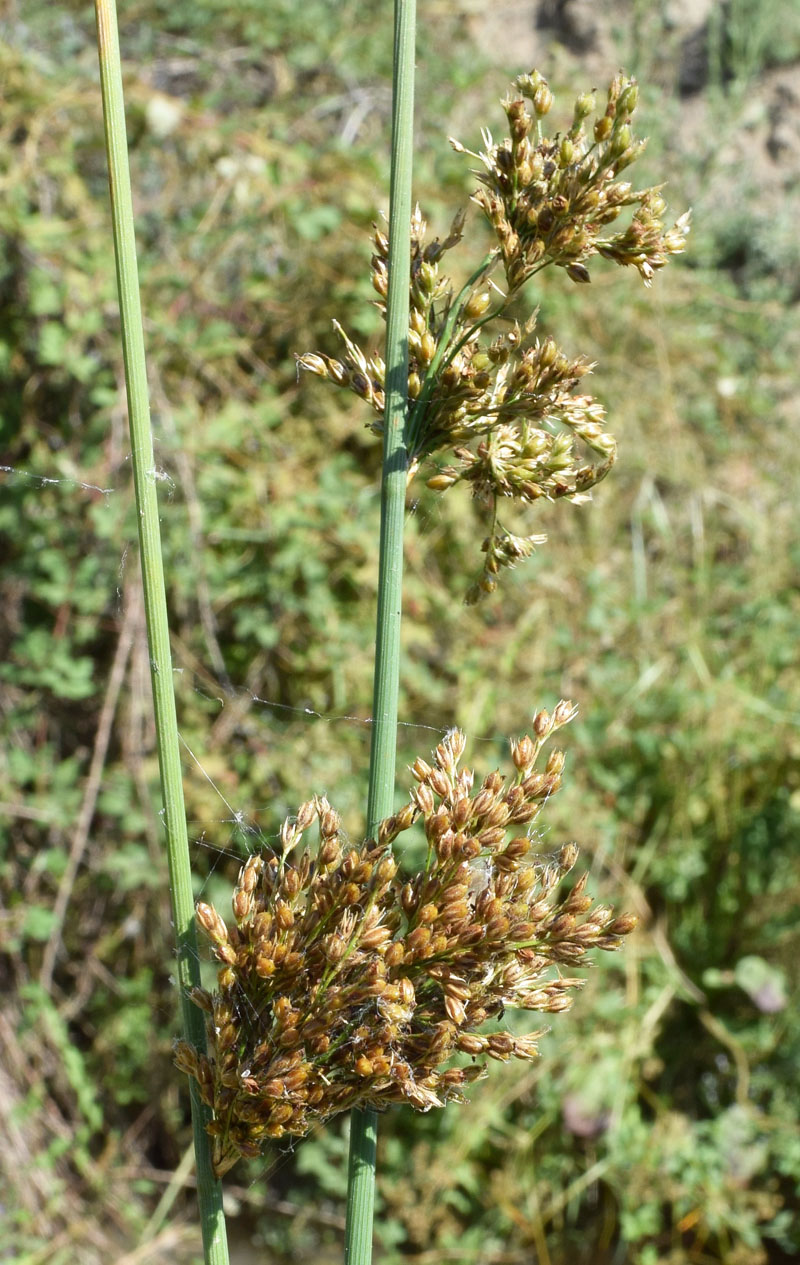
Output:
x,y
347,982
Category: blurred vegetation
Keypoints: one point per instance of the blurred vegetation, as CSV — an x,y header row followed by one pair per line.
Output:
x,y
661,1126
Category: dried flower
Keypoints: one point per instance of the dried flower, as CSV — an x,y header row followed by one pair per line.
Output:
x,y
508,407
345,983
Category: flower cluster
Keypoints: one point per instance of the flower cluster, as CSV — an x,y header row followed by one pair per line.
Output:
x,y
508,406
344,983
550,200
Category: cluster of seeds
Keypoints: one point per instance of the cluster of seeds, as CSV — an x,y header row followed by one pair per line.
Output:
x,y
506,405
551,200
344,983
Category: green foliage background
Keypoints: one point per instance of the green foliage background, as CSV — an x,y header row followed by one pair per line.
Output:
x,y
660,1125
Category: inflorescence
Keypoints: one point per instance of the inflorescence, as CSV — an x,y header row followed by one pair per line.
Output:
x,y
508,407
344,983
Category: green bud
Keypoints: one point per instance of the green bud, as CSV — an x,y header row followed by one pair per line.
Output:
x,y
426,278
427,349
548,352
584,106
629,155
529,84
609,216
476,305
627,100
620,140
417,321
542,100
657,205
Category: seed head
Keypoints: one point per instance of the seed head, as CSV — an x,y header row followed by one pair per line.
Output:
x,y
344,983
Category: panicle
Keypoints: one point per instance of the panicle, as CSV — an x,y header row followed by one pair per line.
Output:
x,y
506,407
345,982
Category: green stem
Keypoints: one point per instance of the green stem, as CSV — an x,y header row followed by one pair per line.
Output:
x,y
144,474
364,1124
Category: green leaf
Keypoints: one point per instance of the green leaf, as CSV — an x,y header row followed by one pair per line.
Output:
x,y
38,923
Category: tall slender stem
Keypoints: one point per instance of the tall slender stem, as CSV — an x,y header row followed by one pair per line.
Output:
x,y
364,1124
188,974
